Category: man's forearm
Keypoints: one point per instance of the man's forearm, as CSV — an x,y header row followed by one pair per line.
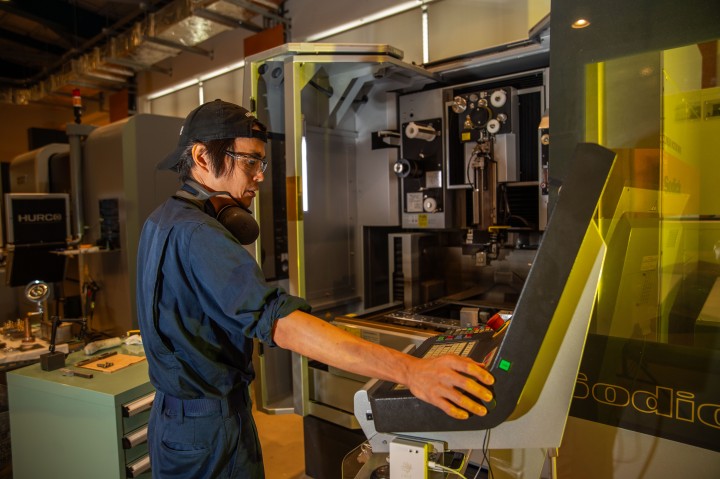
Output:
x,y
319,340
450,382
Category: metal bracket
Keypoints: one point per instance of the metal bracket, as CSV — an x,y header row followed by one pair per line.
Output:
x,y
260,10
138,66
179,46
226,20
378,139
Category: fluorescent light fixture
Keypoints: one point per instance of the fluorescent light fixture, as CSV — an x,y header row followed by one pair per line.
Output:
x,y
303,166
172,89
197,81
382,14
425,35
223,70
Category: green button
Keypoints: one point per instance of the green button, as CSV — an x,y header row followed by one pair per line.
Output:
x,y
505,365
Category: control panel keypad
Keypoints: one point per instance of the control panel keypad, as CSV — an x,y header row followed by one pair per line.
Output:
x,y
460,349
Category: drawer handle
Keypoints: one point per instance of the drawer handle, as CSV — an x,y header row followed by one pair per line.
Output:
x,y
138,467
138,436
139,405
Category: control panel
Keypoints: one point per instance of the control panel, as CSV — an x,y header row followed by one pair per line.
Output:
x,y
463,342
394,407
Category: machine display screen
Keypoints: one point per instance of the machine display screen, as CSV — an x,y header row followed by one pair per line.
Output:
x,y
37,218
37,225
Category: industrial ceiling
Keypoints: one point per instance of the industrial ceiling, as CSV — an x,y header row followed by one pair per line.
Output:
x,y
48,48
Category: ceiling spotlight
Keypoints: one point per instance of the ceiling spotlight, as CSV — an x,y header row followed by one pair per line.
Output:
x,y
580,23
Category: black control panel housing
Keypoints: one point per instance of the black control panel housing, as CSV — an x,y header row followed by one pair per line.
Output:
x,y
395,408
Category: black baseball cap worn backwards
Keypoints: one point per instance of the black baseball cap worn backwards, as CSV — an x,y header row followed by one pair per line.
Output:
x,y
215,120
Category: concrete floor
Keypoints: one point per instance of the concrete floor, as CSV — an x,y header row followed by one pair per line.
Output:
x,y
281,437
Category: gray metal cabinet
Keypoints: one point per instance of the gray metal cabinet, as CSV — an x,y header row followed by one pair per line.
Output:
x,y
71,427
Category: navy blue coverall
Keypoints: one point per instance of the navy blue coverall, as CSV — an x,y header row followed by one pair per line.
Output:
x,y
201,299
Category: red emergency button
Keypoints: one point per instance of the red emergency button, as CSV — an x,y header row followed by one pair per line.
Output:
x,y
496,322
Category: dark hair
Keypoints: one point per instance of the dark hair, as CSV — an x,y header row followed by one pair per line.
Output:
x,y
216,151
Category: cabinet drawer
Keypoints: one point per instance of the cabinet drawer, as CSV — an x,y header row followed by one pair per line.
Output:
x,y
142,404
135,415
138,436
135,453
138,467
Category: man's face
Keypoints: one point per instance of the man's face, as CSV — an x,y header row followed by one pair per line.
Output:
x,y
248,155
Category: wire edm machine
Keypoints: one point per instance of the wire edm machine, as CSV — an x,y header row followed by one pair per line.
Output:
x,y
406,204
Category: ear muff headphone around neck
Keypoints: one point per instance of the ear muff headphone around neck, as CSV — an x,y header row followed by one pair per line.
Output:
x,y
235,218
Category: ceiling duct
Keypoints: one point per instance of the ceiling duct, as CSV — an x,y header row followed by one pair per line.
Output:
x,y
180,26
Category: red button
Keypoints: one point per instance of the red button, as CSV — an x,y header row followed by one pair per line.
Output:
x,y
496,322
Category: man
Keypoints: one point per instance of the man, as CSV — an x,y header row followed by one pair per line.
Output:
x,y
202,299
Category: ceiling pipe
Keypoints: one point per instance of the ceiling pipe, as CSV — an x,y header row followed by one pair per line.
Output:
x,y
170,29
85,47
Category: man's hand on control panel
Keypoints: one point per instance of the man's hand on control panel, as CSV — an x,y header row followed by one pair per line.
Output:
x,y
449,381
